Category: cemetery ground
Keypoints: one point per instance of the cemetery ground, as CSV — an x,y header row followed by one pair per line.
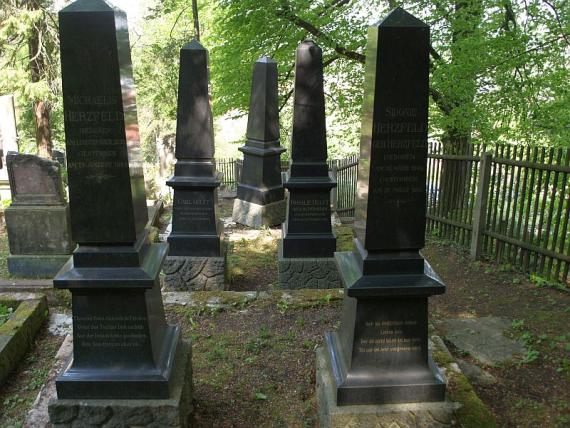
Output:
x,y
253,347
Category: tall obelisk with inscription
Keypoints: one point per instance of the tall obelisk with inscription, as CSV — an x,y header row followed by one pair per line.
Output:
x,y
122,346
260,197
308,245
380,353
196,259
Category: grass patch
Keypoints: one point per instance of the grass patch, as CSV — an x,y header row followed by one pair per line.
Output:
x,y
19,390
252,262
6,311
344,238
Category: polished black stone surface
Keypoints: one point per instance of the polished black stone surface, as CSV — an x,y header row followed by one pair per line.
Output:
x,y
260,181
105,171
391,192
380,353
307,231
309,140
194,127
196,230
123,348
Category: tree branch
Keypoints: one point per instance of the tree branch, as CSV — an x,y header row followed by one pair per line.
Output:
x,y
334,4
176,21
290,92
287,14
557,16
440,101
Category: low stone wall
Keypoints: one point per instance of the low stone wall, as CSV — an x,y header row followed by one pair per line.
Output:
x,y
17,334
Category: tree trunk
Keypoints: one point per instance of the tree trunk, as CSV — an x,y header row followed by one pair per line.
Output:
x,y
455,178
455,174
38,72
43,130
196,19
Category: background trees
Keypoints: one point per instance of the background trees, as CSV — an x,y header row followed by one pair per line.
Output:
x,y
499,69
29,68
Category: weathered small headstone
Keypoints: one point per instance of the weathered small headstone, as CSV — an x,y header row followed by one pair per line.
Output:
x,y
308,245
380,353
37,220
8,140
260,195
196,259
123,349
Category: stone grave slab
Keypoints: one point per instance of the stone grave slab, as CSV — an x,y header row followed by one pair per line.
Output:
x,y
483,338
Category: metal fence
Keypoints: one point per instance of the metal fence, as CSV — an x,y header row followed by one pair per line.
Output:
x,y
509,203
230,170
344,171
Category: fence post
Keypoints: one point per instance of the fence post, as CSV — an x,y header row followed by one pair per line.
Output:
x,y
334,191
480,207
237,172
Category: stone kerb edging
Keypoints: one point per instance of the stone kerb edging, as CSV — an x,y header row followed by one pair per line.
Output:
x,y
17,334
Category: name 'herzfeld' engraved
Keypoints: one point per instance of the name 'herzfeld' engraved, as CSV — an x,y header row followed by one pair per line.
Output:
x,y
94,116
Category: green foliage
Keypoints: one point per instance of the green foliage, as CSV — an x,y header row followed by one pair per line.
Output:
x,y
237,33
5,313
499,69
259,396
18,25
545,282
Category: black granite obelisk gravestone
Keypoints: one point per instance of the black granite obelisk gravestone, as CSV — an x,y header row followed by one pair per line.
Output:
x,y
380,354
196,257
260,196
122,346
308,245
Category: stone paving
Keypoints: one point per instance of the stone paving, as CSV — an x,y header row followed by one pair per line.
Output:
x,y
483,338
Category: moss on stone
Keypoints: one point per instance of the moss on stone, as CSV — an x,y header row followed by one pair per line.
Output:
x,y
443,359
344,238
473,413
238,300
18,333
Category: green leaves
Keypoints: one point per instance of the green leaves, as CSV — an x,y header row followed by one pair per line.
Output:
x,y
499,69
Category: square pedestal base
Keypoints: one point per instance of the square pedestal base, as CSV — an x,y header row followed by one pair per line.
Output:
x,y
295,273
172,412
409,415
194,273
256,216
33,266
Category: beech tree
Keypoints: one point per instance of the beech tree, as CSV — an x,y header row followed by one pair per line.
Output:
x,y
498,68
